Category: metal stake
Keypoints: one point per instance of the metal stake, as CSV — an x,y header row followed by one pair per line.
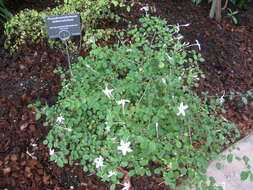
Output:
x,y
67,50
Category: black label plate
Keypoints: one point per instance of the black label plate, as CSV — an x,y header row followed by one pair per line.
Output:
x,y
63,26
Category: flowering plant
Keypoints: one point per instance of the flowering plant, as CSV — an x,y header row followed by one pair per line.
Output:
x,y
131,105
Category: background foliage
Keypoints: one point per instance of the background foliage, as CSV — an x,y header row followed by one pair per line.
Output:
x,y
18,30
238,3
5,14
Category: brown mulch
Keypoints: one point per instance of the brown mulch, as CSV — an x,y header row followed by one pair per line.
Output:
x,y
27,76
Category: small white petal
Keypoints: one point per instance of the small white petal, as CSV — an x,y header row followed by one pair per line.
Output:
x,y
60,119
122,102
186,24
198,44
126,185
146,9
124,147
51,152
108,92
182,109
107,128
112,173
99,162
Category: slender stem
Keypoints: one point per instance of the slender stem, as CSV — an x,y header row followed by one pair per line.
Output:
x,y
189,130
67,50
225,6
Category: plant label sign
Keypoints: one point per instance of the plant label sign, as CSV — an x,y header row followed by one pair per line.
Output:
x,y
63,26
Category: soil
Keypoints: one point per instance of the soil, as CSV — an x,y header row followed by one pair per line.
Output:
x,y
27,76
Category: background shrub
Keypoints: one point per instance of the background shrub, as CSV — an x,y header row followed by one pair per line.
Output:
x,y
18,30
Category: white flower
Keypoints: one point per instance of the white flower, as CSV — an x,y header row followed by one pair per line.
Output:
x,y
178,27
146,9
124,147
112,173
31,154
60,119
186,45
67,129
126,185
197,44
182,109
196,77
221,99
99,162
51,152
108,92
185,24
164,80
107,128
122,102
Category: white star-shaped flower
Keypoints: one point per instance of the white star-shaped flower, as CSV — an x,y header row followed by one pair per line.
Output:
x,y
99,162
146,9
122,102
108,92
126,185
124,147
60,119
112,173
51,152
197,44
182,109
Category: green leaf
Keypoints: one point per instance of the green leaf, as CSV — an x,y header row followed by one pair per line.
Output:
x,y
245,100
112,187
131,173
245,159
201,59
244,175
251,177
157,171
218,165
212,180
230,158
37,115
60,162
178,144
148,173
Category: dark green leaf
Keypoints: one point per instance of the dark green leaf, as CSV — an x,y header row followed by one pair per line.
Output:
x,y
244,175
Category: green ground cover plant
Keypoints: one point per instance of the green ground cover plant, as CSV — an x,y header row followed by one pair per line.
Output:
x,y
131,104
18,30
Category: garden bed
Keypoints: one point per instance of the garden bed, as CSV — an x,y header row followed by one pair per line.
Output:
x,y
27,75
